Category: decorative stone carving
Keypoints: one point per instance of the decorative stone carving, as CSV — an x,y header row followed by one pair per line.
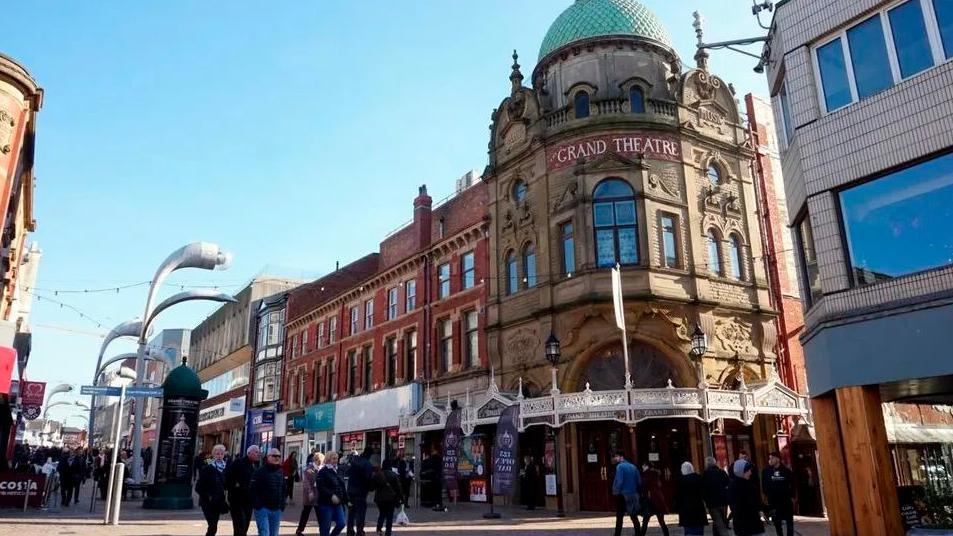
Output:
x,y
706,85
734,336
567,199
522,345
665,182
6,131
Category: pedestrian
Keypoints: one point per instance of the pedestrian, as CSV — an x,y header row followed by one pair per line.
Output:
x,y
331,495
78,468
309,491
405,472
745,500
66,479
101,475
147,460
238,483
653,499
388,494
529,483
197,464
625,487
431,481
290,470
359,475
268,494
690,501
210,487
777,481
715,480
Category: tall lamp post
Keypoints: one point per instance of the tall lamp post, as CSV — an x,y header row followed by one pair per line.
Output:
x,y
203,255
553,355
698,351
129,328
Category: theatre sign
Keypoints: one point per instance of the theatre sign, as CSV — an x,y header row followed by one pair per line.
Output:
x,y
627,144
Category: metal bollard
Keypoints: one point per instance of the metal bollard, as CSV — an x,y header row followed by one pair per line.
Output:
x,y
119,471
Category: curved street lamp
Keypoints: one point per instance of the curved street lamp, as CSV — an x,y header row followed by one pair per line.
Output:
x,y
129,328
203,255
63,403
61,388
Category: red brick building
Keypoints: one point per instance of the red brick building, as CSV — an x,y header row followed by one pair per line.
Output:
x,y
361,335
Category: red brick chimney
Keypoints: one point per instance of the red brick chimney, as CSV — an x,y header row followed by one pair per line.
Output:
x,y
422,218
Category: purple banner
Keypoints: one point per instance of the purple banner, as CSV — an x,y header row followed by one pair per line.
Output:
x,y
505,455
452,437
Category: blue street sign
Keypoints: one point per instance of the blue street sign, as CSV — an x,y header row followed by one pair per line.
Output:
x,y
144,392
100,390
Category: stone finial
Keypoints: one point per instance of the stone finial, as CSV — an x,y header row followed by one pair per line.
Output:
x,y
701,55
519,389
516,77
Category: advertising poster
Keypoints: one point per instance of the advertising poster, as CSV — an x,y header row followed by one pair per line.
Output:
x,y
721,450
31,395
451,450
478,490
177,436
505,452
472,457
14,485
549,455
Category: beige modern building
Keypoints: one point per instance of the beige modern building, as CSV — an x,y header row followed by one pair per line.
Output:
x,y
863,91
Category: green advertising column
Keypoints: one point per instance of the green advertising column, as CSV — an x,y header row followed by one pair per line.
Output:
x,y
178,432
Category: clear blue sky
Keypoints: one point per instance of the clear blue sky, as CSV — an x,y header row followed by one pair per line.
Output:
x,y
294,135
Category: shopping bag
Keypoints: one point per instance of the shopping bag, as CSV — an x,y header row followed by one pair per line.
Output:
x,y
402,519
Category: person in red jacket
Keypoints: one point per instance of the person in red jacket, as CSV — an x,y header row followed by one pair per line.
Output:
x,y
653,499
290,470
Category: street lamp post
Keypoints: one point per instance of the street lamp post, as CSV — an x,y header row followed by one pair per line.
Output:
x,y
201,255
553,355
62,403
129,328
697,353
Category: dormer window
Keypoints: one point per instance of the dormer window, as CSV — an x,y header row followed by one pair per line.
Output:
x,y
581,104
637,100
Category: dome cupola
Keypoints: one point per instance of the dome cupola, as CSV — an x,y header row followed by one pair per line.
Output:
x,y
587,19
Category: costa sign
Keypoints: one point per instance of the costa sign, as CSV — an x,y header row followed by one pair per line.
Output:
x,y
629,145
14,486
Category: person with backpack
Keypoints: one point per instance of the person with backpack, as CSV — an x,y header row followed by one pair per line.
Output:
x,y
388,495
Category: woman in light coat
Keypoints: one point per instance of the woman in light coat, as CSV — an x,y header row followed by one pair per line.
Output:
x,y
309,491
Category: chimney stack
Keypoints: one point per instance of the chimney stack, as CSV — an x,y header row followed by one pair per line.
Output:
x,y
422,218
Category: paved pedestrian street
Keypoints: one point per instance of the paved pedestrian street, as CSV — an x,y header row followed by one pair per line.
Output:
x,y
461,520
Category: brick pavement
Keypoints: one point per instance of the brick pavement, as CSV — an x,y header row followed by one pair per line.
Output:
x,y
462,520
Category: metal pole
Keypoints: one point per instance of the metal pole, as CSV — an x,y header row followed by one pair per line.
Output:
x,y
625,358
110,491
118,471
560,511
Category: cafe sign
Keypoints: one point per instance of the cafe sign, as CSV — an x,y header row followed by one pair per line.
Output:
x,y
628,145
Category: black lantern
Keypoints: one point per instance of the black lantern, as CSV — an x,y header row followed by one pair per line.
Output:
x,y
699,342
552,349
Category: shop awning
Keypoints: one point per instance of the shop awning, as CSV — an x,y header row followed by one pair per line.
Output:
x,y
919,434
628,406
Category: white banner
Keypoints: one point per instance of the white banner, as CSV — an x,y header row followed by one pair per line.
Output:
x,y
617,297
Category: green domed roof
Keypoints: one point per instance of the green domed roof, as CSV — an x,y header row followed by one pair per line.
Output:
x,y
183,381
594,18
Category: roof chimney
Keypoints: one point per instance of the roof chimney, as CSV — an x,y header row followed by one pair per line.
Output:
x,y
422,218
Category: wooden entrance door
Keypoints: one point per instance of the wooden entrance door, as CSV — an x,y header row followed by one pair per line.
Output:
x,y
597,443
663,444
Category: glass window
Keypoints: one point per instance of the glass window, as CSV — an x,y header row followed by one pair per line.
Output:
x,y
446,345
443,280
321,335
333,329
390,346
568,248
830,61
581,104
368,380
352,372
714,176
275,328
237,377
637,100
304,340
944,18
333,378
294,346
810,275
369,314
669,242
318,381
392,303
529,266
786,121
410,366
900,224
267,380
615,220
355,315
714,253
910,38
512,276
471,323
519,191
411,300
734,243
468,271
868,55
302,383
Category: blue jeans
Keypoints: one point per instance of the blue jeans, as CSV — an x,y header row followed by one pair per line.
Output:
x,y
267,521
327,514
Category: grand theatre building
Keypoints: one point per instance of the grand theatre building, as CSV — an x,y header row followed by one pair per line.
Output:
x,y
617,154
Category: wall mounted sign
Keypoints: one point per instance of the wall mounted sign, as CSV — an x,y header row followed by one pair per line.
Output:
x,y
628,145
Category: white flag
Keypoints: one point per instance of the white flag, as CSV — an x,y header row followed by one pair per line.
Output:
x,y
617,297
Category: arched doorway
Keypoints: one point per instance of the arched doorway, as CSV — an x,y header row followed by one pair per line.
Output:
x,y
661,443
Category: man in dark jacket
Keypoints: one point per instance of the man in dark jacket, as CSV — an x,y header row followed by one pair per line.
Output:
x,y
238,484
745,500
66,479
777,481
210,488
331,495
715,480
358,486
77,466
268,494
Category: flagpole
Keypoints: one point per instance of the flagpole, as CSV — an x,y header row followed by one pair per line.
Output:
x,y
620,320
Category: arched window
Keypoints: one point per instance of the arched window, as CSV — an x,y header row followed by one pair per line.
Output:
x,y
714,253
581,104
519,191
637,100
735,257
714,175
615,222
529,266
512,276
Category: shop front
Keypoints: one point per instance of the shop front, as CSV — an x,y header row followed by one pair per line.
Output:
x,y
222,423
295,439
373,420
260,429
318,424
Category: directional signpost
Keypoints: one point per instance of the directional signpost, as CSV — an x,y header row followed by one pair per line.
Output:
x,y
99,390
144,392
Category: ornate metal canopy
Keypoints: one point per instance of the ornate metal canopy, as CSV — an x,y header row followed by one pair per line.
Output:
x,y
628,406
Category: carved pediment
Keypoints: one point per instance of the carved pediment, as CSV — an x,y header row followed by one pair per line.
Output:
x,y
609,161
